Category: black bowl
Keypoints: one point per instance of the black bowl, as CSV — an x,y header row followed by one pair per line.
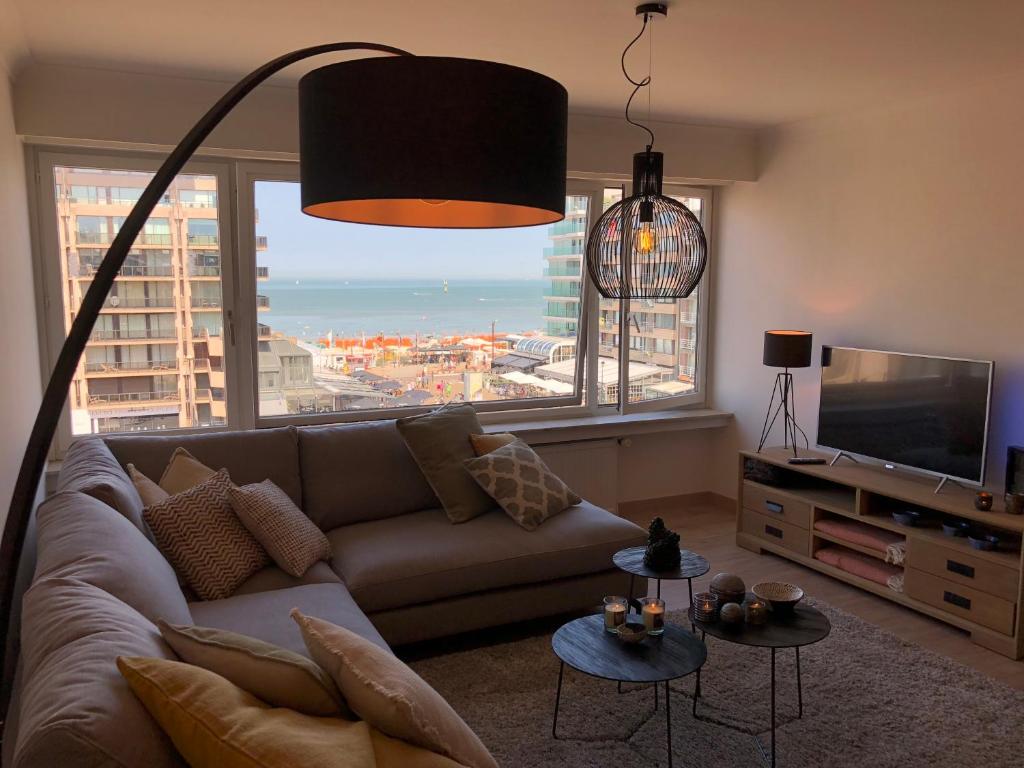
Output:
x,y
910,517
955,527
983,541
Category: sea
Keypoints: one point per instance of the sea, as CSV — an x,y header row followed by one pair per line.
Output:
x,y
310,308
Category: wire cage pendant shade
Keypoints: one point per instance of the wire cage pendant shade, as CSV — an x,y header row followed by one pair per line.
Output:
x,y
647,246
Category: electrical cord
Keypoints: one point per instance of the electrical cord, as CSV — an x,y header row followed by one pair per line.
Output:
x,y
637,84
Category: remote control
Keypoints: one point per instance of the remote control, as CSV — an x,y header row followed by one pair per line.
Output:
x,y
805,460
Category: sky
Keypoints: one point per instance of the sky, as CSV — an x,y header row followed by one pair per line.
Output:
x,y
302,246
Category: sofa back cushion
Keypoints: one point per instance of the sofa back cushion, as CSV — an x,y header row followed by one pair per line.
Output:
x,y
357,472
82,538
75,709
90,467
250,456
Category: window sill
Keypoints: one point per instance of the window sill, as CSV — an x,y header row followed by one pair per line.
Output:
x,y
564,430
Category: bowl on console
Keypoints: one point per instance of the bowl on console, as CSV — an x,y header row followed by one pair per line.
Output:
x,y
983,541
909,517
954,527
782,597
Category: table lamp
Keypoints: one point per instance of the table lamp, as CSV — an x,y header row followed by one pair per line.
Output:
x,y
784,349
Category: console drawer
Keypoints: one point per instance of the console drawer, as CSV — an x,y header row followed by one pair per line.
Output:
x,y
775,531
963,568
959,600
776,504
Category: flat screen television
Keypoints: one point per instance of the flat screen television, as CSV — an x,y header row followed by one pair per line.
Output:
x,y
915,411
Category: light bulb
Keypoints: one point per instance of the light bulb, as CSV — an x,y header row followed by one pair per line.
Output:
x,y
646,238
430,201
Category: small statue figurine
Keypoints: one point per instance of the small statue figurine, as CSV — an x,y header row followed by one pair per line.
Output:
x,y
662,547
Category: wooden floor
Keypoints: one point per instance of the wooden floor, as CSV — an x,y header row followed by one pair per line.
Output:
x,y
711,532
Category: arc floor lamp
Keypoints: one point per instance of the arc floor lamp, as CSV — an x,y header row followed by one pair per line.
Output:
x,y
399,140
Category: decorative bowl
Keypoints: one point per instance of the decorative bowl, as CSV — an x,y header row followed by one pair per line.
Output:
x,y
983,541
955,527
632,632
782,597
910,517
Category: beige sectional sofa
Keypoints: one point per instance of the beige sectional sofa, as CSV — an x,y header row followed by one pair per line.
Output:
x,y
400,572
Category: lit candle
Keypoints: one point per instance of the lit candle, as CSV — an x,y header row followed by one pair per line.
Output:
x,y
757,612
614,612
705,607
653,612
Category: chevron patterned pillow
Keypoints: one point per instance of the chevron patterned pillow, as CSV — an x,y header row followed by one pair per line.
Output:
x,y
519,480
198,531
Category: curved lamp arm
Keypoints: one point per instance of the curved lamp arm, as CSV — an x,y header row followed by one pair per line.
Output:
x,y
52,405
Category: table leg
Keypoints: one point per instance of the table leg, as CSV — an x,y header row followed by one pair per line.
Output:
x,y
629,597
689,583
659,589
668,721
620,686
655,697
773,708
558,698
696,694
799,686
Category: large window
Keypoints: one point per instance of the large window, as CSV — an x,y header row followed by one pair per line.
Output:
x,y
304,320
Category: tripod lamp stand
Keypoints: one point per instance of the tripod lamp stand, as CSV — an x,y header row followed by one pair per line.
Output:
x,y
784,349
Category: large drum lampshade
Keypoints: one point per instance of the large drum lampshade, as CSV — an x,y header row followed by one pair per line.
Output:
x,y
424,141
787,349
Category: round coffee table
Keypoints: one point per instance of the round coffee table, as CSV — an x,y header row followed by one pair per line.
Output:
x,y
803,626
631,560
586,646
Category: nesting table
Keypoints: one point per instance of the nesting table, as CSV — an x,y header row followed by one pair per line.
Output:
x,y
631,560
587,647
803,626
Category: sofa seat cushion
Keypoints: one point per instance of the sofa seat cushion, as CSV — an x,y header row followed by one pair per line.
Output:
x,y
272,577
82,538
264,615
249,456
422,557
75,709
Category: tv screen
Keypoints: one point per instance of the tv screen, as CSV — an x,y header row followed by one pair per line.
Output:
x,y
927,413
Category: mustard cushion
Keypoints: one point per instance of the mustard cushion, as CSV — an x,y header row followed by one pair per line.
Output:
x,y
148,491
183,471
486,443
215,724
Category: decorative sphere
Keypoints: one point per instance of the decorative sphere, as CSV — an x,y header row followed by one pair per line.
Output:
x,y
731,613
728,583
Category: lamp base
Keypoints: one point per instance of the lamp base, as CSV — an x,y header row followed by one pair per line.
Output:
x,y
783,391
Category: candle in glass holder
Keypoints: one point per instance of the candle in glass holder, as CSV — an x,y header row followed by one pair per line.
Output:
x,y
705,606
757,612
614,612
653,612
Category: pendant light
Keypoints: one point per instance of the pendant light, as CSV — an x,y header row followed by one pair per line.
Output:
x,y
646,246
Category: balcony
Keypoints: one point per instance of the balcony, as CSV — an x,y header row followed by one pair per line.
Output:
x,y
688,317
261,242
262,302
135,270
154,238
568,227
563,269
262,273
690,344
203,239
205,333
263,331
194,270
118,303
207,302
204,395
129,367
132,334
563,250
117,398
94,238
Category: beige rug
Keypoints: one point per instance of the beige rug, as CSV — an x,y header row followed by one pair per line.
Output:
x,y
870,701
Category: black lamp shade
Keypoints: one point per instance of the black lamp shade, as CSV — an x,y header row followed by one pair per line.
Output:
x,y
787,349
423,141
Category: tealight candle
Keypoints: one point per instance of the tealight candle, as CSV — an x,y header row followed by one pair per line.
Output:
x,y
705,607
653,612
614,613
756,611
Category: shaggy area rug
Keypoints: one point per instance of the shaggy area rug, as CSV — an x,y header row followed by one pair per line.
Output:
x,y
870,699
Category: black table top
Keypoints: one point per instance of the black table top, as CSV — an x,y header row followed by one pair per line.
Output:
x,y
631,560
585,645
804,626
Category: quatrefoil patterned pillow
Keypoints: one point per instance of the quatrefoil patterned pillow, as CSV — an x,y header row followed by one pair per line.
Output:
x,y
519,480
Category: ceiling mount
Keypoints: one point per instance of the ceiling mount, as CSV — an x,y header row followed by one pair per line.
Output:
x,y
652,9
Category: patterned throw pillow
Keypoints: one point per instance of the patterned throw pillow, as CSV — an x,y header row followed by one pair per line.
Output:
x,y
283,529
198,531
519,480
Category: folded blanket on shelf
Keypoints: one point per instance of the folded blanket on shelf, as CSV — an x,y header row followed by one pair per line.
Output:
x,y
856,532
865,566
895,583
896,554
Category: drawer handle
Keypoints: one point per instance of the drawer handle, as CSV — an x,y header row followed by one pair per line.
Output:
x,y
771,530
774,506
964,570
957,600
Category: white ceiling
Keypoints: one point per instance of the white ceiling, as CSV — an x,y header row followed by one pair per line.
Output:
x,y
732,62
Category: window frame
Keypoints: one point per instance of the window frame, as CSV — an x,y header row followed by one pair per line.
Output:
x,y
236,178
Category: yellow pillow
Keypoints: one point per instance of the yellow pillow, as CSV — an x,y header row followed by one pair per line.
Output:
x,y
215,724
183,471
392,753
483,444
148,491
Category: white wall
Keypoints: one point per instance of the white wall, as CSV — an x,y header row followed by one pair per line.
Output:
x,y
20,386
901,228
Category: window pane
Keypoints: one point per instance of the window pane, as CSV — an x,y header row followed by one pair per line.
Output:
x,y
359,317
155,356
608,325
663,340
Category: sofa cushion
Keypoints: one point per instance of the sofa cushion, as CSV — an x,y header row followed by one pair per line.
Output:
x,y
264,615
206,543
248,456
273,577
439,441
182,472
149,492
343,471
422,557
82,538
75,709
89,467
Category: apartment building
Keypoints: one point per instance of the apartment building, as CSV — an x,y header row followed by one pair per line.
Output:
x,y
155,357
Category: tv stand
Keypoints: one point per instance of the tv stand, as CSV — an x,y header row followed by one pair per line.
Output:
x,y
839,455
798,511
